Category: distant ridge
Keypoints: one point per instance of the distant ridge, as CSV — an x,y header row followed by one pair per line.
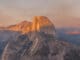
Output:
x,y
73,33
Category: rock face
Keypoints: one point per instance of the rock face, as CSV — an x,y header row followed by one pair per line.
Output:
x,y
40,44
5,36
23,27
39,23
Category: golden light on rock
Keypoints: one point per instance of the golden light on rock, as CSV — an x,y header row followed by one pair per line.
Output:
x,y
37,23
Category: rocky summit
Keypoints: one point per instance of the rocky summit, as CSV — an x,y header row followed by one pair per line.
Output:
x,y
41,21
38,24
39,43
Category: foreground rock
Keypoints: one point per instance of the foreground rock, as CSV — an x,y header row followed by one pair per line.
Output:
x,y
40,44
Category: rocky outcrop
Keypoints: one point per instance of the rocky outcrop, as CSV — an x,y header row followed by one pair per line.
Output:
x,y
44,25
39,23
40,44
23,27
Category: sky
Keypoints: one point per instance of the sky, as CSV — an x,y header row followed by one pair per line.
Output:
x,y
63,13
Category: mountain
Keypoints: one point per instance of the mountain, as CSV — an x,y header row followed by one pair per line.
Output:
x,y
23,27
41,21
5,37
39,43
37,23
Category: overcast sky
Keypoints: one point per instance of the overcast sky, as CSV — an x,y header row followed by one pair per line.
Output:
x,y
63,13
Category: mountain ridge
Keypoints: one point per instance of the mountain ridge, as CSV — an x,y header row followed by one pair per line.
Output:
x,y
37,23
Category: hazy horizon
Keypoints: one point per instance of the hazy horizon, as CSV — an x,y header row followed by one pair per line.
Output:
x,y
62,13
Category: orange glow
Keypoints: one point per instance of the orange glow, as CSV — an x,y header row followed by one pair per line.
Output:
x,y
25,26
75,32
